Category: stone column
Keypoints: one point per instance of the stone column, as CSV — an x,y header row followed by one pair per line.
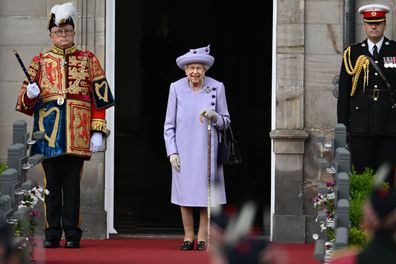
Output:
x,y
289,136
288,219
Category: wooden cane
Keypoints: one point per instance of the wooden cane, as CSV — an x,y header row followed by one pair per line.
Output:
x,y
209,176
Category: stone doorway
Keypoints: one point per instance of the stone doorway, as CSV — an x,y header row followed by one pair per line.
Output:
x,y
150,35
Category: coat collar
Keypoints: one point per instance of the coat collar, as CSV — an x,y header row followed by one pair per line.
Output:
x,y
67,51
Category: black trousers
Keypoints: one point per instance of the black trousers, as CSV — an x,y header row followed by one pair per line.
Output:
x,y
62,205
372,151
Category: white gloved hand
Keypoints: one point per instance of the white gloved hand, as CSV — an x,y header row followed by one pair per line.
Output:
x,y
208,114
32,90
175,161
96,141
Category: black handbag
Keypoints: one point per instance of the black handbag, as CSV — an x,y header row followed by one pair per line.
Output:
x,y
228,150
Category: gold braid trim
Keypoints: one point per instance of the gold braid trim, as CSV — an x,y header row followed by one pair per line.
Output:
x,y
99,125
362,62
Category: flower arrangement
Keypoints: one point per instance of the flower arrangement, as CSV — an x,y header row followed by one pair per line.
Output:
x,y
25,227
325,202
30,199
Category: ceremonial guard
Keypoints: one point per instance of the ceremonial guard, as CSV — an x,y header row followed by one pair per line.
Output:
x,y
366,100
67,92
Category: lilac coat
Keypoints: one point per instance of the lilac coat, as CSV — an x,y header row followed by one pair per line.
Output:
x,y
186,135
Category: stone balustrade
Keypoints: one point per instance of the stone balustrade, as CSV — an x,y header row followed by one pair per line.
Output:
x,y
13,181
334,165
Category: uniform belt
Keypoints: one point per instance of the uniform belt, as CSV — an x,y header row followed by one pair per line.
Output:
x,y
377,93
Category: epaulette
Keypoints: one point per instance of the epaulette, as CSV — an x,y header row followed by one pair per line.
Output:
x,y
357,43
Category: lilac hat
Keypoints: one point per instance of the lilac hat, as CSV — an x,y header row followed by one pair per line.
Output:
x,y
199,55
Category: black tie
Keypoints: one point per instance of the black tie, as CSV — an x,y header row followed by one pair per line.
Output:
x,y
375,52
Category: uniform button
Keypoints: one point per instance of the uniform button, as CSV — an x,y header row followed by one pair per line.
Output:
x,y
376,62
214,88
357,107
375,86
212,103
376,73
213,96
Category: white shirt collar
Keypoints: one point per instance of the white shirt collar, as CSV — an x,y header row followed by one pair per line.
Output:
x,y
371,45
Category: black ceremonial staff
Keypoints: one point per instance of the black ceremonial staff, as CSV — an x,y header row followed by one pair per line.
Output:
x,y
23,66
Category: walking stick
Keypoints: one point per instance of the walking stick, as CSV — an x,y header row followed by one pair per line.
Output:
x,y
209,174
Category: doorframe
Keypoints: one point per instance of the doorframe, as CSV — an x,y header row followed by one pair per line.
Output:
x,y
273,111
109,153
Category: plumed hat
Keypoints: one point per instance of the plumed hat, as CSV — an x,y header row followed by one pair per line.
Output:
x,y
199,55
374,13
61,14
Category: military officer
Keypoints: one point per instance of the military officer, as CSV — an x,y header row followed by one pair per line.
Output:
x,y
366,101
68,96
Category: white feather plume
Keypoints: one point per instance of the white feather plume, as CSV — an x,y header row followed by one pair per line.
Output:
x,y
63,12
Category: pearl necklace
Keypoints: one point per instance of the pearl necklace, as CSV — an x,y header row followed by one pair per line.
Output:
x,y
196,89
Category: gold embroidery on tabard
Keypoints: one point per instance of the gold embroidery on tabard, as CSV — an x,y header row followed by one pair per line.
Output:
x,y
78,120
43,114
98,88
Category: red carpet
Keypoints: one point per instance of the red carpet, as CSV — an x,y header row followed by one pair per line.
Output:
x,y
146,251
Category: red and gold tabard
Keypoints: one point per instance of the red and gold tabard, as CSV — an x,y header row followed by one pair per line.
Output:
x,y
72,102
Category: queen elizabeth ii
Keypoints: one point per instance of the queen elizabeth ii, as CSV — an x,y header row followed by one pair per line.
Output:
x,y
193,101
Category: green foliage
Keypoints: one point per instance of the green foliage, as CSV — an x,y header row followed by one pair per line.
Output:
x,y
330,232
3,167
360,189
357,237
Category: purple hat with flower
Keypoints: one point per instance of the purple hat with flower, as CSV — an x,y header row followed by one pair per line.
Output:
x,y
199,55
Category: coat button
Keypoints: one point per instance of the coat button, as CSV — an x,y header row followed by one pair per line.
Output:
x,y
375,86
212,103
357,107
214,88
376,73
213,96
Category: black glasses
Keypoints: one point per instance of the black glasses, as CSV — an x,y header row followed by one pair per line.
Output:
x,y
66,32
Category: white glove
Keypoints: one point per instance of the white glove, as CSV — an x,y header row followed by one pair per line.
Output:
x,y
208,114
175,161
32,90
96,141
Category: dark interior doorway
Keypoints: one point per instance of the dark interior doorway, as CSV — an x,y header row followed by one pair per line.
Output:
x,y
150,34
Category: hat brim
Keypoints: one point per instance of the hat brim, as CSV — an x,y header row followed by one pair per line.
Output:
x,y
186,59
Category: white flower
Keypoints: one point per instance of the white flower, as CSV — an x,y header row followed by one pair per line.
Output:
x,y
31,197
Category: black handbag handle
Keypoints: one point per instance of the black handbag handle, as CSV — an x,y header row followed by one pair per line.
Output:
x,y
224,132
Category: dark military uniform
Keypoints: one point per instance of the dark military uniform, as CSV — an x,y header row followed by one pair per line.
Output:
x,y
366,106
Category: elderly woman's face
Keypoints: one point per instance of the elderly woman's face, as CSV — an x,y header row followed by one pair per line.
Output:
x,y
195,72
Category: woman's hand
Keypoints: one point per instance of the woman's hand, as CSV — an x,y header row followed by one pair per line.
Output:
x,y
175,161
208,114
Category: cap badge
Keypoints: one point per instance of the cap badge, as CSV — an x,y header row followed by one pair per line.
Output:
x,y
373,13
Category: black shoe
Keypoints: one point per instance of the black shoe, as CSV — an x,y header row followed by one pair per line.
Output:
x,y
201,246
51,243
187,245
72,244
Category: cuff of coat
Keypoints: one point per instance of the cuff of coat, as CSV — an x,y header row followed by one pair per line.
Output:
x,y
26,102
99,125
